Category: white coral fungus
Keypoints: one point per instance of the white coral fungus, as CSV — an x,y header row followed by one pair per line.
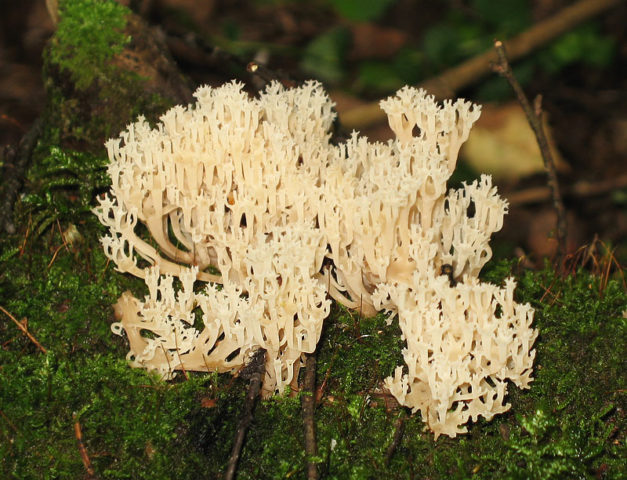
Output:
x,y
249,197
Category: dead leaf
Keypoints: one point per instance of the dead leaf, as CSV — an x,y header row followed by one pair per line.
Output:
x,y
502,144
207,402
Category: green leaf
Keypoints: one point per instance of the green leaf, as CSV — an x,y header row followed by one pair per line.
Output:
x,y
361,10
440,44
585,44
324,56
409,65
506,16
379,76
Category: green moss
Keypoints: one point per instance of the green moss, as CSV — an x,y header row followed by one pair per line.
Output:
x,y
97,73
127,435
569,424
62,187
89,34
82,81
356,354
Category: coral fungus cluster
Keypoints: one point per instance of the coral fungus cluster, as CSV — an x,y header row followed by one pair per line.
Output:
x,y
250,197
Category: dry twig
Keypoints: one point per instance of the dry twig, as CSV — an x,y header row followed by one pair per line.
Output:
x,y
581,189
83,451
452,80
254,371
54,256
196,50
534,117
308,402
399,428
24,330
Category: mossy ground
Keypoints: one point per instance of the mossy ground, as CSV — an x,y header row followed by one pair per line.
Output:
x,y
570,424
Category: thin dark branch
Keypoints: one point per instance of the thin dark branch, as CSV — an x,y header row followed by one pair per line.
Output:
x,y
449,82
581,189
534,117
91,474
399,428
24,329
196,50
308,402
15,163
268,75
255,371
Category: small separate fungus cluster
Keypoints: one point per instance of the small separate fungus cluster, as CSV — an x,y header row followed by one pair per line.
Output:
x,y
248,196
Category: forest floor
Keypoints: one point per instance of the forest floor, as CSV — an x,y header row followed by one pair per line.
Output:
x,y
70,407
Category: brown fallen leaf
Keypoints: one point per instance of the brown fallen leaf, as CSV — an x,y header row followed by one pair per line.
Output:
x,y
206,402
502,144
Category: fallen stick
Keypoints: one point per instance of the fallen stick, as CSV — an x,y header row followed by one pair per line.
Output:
x,y
452,80
580,189
25,330
399,428
82,450
195,50
534,117
254,371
